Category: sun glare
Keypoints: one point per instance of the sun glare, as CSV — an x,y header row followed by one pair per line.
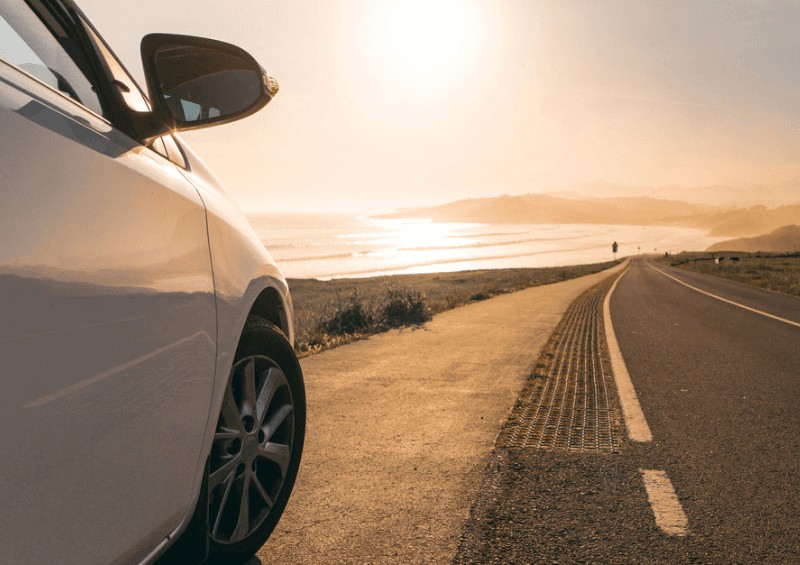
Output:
x,y
428,36
427,45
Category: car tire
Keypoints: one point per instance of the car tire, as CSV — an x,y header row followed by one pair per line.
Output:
x,y
257,443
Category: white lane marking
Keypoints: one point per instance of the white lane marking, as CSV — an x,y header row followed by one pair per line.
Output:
x,y
75,387
638,430
664,502
768,315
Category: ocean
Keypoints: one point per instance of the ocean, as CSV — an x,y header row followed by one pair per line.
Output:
x,y
328,246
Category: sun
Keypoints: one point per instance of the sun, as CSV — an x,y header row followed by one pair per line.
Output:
x,y
426,46
428,35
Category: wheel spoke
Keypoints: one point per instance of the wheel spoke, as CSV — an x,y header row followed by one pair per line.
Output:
x,y
249,384
243,522
226,435
216,478
230,415
222,504
275,421
252,449
261,491
275,379
278,454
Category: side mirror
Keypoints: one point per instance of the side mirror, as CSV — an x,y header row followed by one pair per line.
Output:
x,y
196,82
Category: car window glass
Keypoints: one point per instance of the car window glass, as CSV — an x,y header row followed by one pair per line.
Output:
x,y
191,110
26,42
134,98
14,50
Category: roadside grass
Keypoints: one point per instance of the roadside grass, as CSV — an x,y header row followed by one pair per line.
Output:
x,y
335,312
776,272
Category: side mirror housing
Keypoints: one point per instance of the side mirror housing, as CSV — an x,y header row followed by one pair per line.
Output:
x,y
195,82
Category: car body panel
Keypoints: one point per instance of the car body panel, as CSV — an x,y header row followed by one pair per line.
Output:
x,y
109,334
243,271
126,277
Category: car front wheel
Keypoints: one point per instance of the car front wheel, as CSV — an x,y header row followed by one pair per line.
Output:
x,y
257,444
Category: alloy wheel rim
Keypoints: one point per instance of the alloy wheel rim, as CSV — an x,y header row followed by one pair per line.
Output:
x,y
251,450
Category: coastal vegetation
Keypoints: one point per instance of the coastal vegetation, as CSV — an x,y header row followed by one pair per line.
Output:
x,y
780,273
331,313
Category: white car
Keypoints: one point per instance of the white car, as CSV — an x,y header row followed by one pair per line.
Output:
x,y
151,404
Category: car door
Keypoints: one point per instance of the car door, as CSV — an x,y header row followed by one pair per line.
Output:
x,y
107,314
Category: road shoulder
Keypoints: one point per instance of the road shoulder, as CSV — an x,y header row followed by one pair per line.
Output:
x,y
401,425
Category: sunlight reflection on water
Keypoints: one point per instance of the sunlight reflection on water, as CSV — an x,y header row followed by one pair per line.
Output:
x,y
345,246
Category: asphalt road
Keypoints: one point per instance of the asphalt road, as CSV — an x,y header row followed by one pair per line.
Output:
x,y
720,388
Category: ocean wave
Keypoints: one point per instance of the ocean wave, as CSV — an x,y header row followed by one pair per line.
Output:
x,y
352,255
493,243
415,265
359,247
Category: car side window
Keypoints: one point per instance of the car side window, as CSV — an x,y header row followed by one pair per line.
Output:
x,y
46,52
133,97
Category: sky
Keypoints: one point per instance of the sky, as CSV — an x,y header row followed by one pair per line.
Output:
x,y
395,103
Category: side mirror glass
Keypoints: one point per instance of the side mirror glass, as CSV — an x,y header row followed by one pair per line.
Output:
x,y
196,82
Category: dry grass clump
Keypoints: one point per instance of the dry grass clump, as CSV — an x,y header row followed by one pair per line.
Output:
x,y
331,313
404,307
350,316
778,272
355,316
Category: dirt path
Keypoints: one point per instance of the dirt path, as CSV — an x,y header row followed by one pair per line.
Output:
x,y
400,426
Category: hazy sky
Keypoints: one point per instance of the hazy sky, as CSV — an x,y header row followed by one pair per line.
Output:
x,y
386,103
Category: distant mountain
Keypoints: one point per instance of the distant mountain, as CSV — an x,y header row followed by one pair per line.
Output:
x,y
746,222
548,209
779,194
783,240
572,209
